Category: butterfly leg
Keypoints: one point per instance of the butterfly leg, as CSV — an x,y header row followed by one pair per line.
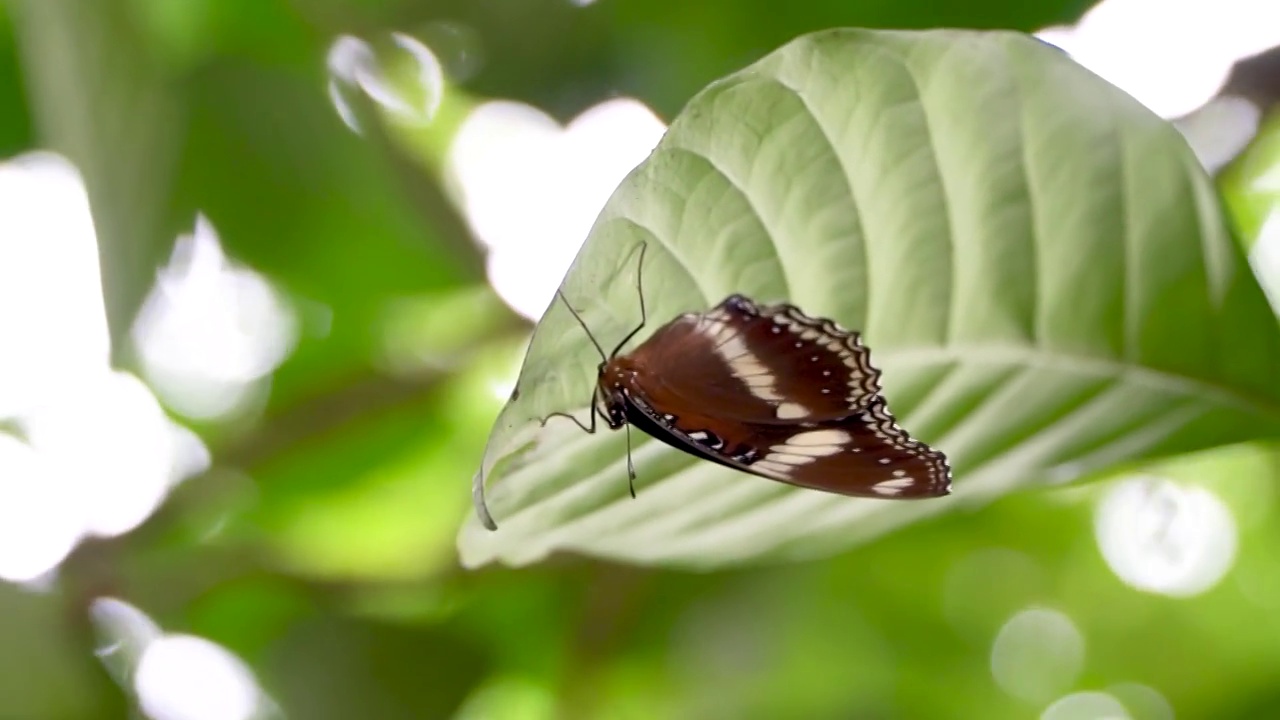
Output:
x,y
590,430
639,291
631,468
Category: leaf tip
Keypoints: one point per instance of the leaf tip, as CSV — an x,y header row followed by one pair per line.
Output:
x,y
477,498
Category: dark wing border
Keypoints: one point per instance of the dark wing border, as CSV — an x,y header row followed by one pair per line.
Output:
x,y
850,339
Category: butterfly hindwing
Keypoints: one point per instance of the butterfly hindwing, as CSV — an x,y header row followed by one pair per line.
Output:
x,y
866,455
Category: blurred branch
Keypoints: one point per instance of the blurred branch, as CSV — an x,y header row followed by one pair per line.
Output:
x,y
422,185
1256,79
1224,127
323,413
614,603
427,197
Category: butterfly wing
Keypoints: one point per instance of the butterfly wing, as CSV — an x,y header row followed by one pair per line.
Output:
x,y
760,364
865,455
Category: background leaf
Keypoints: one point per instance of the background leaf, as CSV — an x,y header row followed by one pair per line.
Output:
x,y
1037,262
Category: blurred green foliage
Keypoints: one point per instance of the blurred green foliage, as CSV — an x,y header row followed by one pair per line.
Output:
x,y
320,547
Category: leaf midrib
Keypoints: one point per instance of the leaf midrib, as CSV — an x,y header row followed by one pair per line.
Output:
x,y
1030,356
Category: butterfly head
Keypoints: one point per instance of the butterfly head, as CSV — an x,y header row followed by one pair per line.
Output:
x,y
611,393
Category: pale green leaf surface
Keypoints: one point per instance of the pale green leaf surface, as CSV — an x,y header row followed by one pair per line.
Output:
x,y
1038,263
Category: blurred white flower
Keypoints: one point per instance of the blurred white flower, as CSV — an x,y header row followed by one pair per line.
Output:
x,y
52,321
183,677
113,450
211,331
175,676
96,454
531,189
37,526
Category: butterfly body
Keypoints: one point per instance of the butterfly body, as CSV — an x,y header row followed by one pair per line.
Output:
x,y
769,391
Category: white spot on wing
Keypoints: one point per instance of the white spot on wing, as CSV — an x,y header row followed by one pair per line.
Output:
x,y
893,487
811,450
789,459
732,349
830,436
791,410
773,467
746,367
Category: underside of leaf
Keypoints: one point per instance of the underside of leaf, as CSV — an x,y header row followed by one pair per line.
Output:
x,y
1037,263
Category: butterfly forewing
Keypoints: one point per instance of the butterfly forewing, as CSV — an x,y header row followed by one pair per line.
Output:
x,y
761,364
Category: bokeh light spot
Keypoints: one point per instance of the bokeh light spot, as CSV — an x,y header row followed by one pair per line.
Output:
x,y
1142,702
1086,706
1037,654
1165,538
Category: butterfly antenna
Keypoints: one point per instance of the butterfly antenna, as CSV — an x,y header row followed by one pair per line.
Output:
x,y
585,329
631,468
639,291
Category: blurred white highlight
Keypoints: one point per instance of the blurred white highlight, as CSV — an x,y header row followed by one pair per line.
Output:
x,y
1265,256
113,452
123,633
183,677
1142,702
96,453
1086,706
1165,538
52,322
36,530
211,331
1220,130
1037,654
175,676
1171,56
532,189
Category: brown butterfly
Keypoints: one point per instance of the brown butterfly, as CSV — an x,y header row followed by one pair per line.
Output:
x,y
767,390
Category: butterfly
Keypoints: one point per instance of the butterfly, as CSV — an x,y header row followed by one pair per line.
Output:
x,y
767,390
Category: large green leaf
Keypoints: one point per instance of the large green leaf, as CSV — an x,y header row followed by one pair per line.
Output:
x,y
1038,263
